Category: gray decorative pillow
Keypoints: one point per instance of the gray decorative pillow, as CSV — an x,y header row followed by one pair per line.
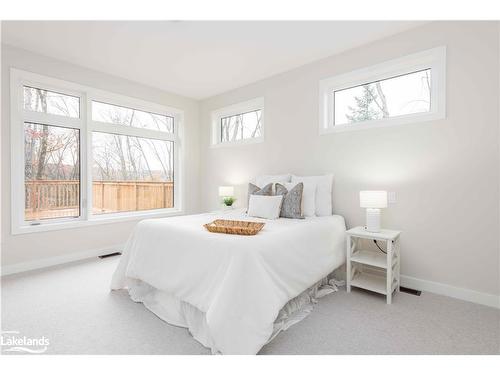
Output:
x,y
255,190
292,201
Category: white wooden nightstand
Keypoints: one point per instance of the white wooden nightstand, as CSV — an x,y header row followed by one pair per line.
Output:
x,y
383,272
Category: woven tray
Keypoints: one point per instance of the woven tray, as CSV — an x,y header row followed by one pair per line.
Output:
x,y
243,228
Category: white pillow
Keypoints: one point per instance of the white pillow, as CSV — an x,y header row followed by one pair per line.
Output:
x,y
265,206
263,180
322,186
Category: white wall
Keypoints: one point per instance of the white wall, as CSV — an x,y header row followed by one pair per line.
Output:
x,y
40,246
445,173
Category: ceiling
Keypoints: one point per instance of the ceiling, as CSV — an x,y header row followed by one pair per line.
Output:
x,y
197,59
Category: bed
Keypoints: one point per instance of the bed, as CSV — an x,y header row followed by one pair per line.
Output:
x,y
233,293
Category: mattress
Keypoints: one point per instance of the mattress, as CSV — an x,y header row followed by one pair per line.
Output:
x,y
234,286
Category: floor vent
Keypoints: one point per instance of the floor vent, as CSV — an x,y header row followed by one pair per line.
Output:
x,y
410,291
110,255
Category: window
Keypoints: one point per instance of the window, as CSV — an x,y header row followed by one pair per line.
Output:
x,y
51,172
122,158
39,100
241,126
406,90
398,96
114,114
239,123
131,173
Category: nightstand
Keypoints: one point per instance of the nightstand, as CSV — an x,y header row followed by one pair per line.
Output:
x,y
372,269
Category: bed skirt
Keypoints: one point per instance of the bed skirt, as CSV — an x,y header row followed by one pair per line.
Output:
x,y
182,314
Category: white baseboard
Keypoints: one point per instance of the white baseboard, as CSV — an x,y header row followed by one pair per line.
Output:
x,y
54,261
451,291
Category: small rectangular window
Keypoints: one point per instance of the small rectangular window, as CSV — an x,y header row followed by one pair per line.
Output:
x,y
113,114
50,102
241,126
398,96
131,173
51,172
240,123
405,90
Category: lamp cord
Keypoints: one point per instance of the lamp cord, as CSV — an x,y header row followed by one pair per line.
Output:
x,y
375,242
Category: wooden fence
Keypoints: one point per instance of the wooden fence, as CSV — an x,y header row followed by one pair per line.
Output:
x,y
60,198
116,196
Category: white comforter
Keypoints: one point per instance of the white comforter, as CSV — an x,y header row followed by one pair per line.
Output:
x,y
239,282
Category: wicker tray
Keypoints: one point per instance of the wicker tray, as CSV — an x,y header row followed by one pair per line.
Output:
x,y
243,228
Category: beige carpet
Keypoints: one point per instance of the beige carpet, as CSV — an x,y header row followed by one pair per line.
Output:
x,y
72,306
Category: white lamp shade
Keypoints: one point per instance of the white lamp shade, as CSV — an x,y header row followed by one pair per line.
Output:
x,y
373,199
226,191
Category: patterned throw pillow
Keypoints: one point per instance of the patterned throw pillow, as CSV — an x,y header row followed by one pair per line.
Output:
x,y
292,200
255,190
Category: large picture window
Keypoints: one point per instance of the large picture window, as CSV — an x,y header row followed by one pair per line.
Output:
x,y
118,162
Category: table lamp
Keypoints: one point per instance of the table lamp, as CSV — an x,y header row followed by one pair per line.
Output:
x,y
373,201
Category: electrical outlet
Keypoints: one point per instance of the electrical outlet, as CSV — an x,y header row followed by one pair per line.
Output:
x,y
391,198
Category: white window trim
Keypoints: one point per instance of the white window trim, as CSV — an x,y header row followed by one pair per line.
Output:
x,y
236,109
433,58
85,124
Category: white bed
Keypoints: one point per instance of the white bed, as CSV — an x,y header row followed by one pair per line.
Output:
x,y
227,289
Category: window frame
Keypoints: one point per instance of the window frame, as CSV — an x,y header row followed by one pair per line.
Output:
x,y
217,115
86,126
434,58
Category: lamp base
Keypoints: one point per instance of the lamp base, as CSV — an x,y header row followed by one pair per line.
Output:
x,y
373,219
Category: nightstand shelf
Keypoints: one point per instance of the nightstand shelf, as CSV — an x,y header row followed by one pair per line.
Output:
x,y
373,282
371,258
372,269
368,281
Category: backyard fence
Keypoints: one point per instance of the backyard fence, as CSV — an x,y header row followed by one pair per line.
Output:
x,y
60,198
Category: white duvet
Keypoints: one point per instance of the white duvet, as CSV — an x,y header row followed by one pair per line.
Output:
x,y
240,283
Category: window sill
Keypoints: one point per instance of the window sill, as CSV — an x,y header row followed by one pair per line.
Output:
x,y
385,123
96,220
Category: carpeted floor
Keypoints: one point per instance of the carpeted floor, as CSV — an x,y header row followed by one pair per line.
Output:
x,y
72,306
